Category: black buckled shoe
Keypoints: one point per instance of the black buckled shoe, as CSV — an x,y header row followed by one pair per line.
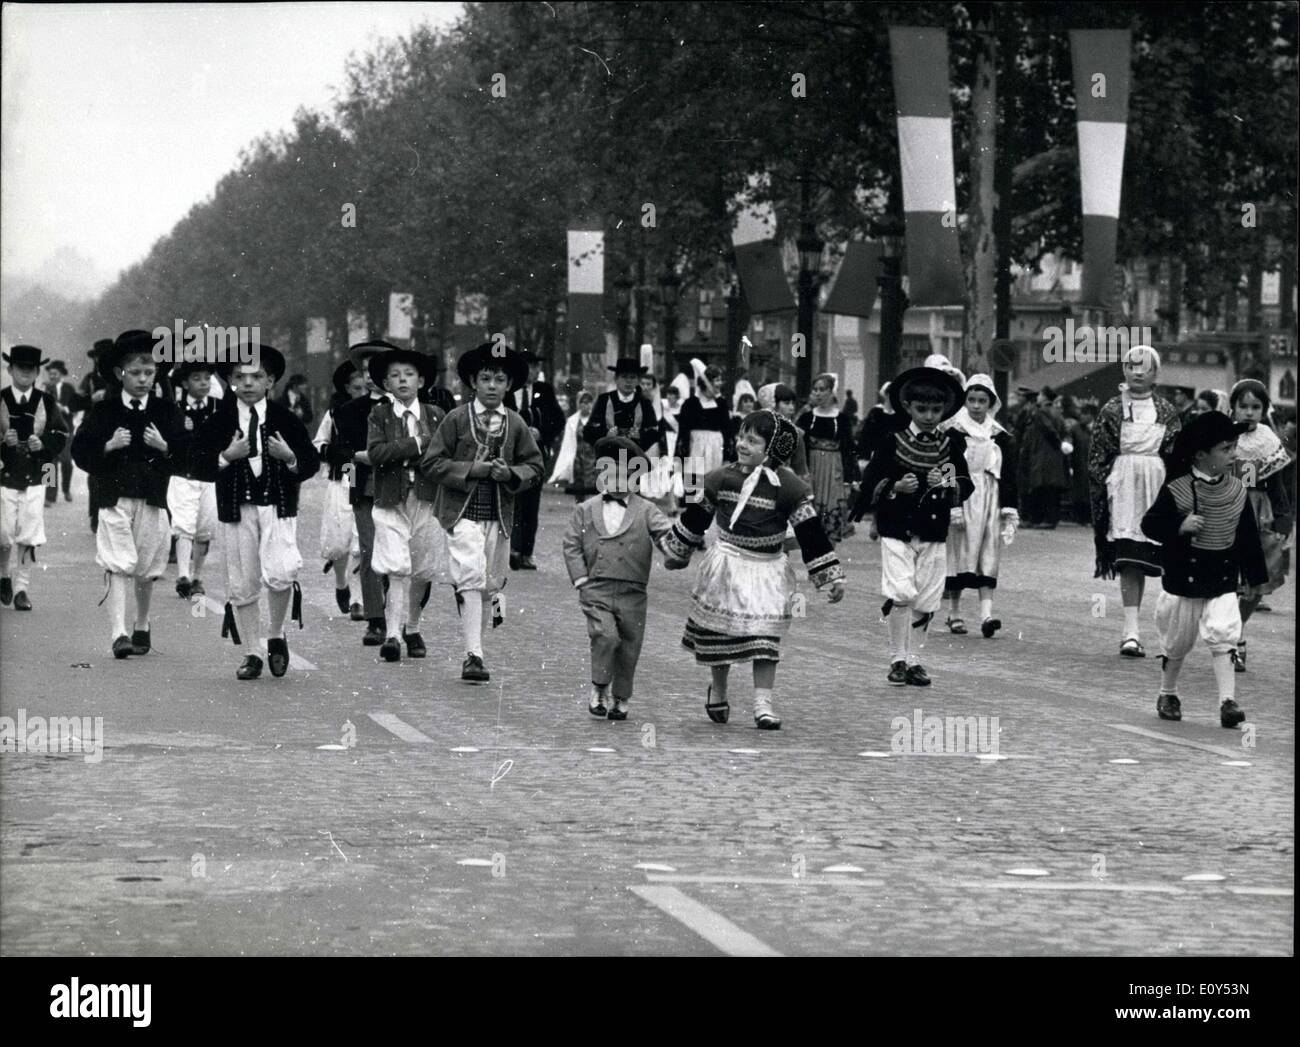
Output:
x,y
527,563
140,642
1231,714
1168,707
356,613
196,587
596,705
917,676
21,602
990,626
515,561
341,599
619,709
250,668
183,588
376,634
391,649
6,591
277,655
897,674
122,647
414,645
718,712
473,670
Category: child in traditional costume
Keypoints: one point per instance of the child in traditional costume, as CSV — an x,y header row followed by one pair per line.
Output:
x,y
704,428
575,465
828,435
741,603
1133,435
340,542
988,519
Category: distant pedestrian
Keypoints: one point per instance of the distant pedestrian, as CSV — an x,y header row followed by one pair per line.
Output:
x,y
1046,448
191,492
832,462
58,386
297,398
705,428
575,466
340,541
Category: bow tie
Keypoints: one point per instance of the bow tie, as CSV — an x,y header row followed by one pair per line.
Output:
x,y
620,498
927,438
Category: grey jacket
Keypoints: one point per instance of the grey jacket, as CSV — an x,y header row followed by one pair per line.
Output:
x,y
591,552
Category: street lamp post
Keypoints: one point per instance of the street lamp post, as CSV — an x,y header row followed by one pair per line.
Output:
x,y
670,287
623,295
733,326
892,304
810,257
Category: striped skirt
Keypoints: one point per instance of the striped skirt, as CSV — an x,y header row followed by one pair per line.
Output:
x,y
741,605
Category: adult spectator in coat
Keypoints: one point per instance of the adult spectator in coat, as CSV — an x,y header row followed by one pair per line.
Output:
x,y
624,410
537,403
1046,447
61,390
93,388
297,398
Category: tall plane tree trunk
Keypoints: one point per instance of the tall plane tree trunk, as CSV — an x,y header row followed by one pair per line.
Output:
x,y
981,277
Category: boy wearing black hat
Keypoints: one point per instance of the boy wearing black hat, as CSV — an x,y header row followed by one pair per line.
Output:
x,y
608,547
130,443
340,542
624,410
410,545
260,452
1209,543
33,431
481,457
914,480
66,397
192,497
352,430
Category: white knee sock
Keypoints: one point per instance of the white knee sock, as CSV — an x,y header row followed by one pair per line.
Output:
x,y
900,621
22,575
4,560
762,700
1130,621
396,603
1169,675
278,604
954,603
1225,675
413,609
143,596
986,608
117,586
471,621
199,555
250,626
340,574
916,643
184,552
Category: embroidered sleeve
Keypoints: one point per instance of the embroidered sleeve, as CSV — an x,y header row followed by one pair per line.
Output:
x,y
818,552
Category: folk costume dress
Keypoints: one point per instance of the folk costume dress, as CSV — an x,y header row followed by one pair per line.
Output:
x,y
704,427
974,550
741,603
1261,465
339,538
1131,440
833,465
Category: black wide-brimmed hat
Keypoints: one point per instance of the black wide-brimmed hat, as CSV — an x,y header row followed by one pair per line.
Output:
x,y
342,375
129,343
58,365
1204,432
363,351
267,357
616,446
954,395
628,365
379,364
25,356
188,367
100,347
492,354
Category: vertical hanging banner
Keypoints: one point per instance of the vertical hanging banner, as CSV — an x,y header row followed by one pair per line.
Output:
x,y
1100,58
400,307
758,258
358,329
852,291
586,316
920,64
317,336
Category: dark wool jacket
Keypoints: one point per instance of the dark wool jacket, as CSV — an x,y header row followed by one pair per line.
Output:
x,y
135,471
838,430
877,426
453,449
352,434
1101,456
21,467
394,454
194,419
235,480
635,419
694,415
543,412
925,513
1190,570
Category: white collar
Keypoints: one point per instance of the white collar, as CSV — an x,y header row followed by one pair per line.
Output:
x,y
708,403
826,412
23,397
916,430
245,409
481,409
625,399
1204,478
400,409
127,399
195,402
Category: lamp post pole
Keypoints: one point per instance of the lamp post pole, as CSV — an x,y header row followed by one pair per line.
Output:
x,y
670,288
810,256
623,295
892,304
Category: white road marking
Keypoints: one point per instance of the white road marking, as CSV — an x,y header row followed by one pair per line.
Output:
x,y
1267,892
843,869
601,749
296,661
474,861
717,930
1160,736
1204,878
1027,872
1082,885
404,731
1235,763
655,867
766,881
1124,761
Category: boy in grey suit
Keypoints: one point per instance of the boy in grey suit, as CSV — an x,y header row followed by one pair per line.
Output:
x,y
607,549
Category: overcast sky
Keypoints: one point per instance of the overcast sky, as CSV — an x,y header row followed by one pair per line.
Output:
x,y
117,118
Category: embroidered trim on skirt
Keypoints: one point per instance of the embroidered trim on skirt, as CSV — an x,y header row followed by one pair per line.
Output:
x,y
741,605
1142,555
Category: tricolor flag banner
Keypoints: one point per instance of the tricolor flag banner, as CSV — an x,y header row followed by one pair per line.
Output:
x,y
586,317
317,336
920,64
471,310
1101,84
358,329
758,258
400,308
852,290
